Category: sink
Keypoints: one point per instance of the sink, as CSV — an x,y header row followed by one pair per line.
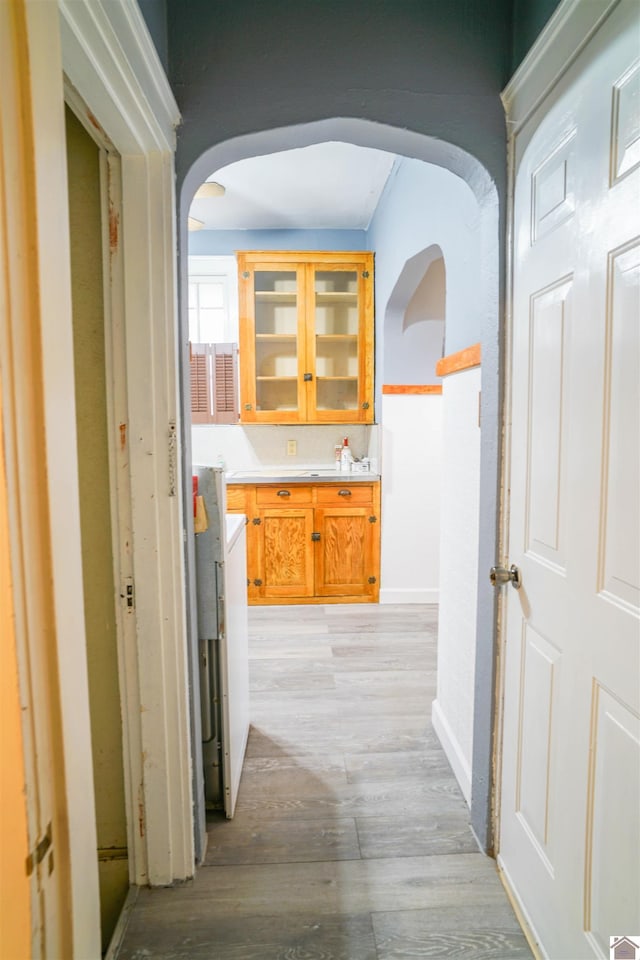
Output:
x,y
320,473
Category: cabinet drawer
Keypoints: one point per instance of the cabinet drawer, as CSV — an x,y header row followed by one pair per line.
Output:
x,y
237,498
345,494
283,495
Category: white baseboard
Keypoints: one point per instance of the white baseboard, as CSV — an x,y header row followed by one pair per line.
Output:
x,y
425,595
451,747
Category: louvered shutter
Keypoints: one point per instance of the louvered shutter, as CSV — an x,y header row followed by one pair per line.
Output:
x,y
201,408
214,383
225,382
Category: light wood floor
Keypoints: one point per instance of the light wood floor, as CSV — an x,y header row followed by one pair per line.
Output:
x,y
351,839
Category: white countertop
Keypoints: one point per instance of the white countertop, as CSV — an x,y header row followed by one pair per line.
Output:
x,y
284,475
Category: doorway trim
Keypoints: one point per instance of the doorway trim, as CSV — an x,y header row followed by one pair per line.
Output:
x,y
109,59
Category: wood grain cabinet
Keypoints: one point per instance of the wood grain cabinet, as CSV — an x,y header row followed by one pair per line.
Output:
x,y
306,337
316,543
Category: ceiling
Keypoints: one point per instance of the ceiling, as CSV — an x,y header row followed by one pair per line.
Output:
x,y
327,186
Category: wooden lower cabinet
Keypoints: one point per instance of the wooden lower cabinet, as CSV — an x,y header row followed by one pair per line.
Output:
x,y
324,547
285,552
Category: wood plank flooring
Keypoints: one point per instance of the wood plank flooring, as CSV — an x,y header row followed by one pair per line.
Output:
x,y
351,838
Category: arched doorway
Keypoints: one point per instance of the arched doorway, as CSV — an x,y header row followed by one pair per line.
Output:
x,y
486,297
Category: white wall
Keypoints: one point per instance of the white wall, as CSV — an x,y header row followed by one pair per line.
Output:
x,y
264,445
460,502
428,212
411,453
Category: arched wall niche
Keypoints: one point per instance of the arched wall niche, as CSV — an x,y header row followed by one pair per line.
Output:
x,y
414,319
490,217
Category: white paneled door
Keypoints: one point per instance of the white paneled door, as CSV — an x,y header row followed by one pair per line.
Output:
x,y
570,793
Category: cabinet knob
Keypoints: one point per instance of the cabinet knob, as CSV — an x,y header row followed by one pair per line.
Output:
x,y
365,405
315,536
308,376
257,521
257,583
284,493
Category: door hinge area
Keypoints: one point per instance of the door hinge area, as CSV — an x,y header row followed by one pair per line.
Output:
x,y
173,449
40,851
128,593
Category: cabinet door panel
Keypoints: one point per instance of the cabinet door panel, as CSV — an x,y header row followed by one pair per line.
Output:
x,y
339,310
272,342
286,552
344,553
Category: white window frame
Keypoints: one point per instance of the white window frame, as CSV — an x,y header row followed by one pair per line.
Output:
x,y
205,268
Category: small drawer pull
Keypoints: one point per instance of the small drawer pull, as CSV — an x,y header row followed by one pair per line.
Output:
x,y
284,493
344,493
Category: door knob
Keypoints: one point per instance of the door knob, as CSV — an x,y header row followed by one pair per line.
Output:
x,y
500,575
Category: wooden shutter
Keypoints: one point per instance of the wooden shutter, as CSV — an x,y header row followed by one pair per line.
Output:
x,y
214,383
200,401
225,382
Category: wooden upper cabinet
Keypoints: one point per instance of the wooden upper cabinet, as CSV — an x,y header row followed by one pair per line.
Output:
x,y
306,337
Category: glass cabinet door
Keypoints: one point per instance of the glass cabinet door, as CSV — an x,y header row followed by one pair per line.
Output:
x,y
335,332
277,351
306,336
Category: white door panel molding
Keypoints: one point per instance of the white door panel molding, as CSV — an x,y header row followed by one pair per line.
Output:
x,y
569,838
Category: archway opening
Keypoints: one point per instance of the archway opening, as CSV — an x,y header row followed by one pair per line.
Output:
x,y
482,297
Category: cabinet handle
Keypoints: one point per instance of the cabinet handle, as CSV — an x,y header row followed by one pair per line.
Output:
x,y
344,493
315,536
308,376
284,493
257,521
365,405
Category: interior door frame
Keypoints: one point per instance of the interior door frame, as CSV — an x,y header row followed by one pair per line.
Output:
x,y
109,59
569,30
115,362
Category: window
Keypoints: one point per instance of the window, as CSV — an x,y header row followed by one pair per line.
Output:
x,y
212,328
208,309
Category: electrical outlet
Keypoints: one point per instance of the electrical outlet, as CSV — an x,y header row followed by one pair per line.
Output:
x,y
292,448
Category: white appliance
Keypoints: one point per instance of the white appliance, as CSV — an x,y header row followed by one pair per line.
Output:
x,y
221,588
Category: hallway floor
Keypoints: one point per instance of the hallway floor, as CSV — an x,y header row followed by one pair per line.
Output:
x,y
351,838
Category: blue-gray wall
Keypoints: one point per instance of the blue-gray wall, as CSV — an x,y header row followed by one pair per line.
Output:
x,y
155,15
529,17
226,242
422,65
